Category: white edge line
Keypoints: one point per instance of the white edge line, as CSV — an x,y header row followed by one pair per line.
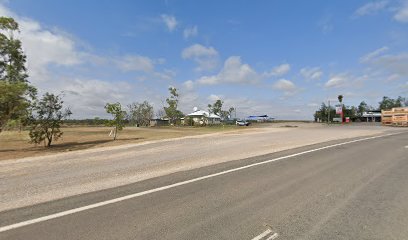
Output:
x,y
274,236
262,235
115,200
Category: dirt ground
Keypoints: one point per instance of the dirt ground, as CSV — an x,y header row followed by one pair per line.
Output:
x,y
15,144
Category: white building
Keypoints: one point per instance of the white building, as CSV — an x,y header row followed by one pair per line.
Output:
x,y
202,118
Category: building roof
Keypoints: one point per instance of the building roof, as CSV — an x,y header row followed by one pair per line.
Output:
x,y
372,114
203,113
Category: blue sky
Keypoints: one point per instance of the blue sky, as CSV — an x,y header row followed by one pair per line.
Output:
x,y
281,58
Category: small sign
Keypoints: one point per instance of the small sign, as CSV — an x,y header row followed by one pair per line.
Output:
x,y
339,110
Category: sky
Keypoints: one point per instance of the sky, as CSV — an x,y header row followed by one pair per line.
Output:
x,y
281,58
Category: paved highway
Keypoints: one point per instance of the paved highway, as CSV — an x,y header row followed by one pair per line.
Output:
x,y
338,190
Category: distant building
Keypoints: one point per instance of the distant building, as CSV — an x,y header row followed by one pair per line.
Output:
x,y
371,116
157,122
201,118
260,118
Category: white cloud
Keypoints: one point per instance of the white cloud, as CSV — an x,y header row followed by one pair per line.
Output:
x,y
393,77
143,64
338,81
314,73
44,47
189,85
87,97
198,51
190,32
135,63
402,13
170,21
371,8
392,63
213,98
205,57
234,71
278,70
313,105
374,54
397,64
288,87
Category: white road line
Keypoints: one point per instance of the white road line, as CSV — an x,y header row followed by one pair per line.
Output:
x,y
262,235
115,200
406,146
274,236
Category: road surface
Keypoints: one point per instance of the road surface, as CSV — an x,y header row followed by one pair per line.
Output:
x,y
46,178
354,189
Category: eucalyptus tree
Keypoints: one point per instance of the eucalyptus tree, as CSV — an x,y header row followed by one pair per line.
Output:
x,y
16,94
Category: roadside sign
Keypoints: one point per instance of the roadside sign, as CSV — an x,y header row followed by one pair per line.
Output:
x,y
339,110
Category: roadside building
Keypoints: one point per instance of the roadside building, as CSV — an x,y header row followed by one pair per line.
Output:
x,y
371,116
395,117
157,122
202,118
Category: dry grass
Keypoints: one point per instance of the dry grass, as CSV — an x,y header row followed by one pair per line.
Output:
x,y
14,144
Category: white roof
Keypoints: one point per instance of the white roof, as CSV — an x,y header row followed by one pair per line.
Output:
x,y
371,114
203,113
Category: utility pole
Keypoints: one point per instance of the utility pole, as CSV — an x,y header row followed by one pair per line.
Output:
x,y
328,114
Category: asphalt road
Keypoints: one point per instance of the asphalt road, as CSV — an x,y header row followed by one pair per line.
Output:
x,y
357,190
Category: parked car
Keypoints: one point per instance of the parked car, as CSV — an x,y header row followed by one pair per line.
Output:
x,y
242,123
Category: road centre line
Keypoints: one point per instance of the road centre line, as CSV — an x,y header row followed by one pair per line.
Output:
x,y
134,195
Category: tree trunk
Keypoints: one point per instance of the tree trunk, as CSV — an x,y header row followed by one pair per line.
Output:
x,y
114,135
49,137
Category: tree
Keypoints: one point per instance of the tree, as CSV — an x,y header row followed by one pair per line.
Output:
x,y
362,107
47,116
323,113
160,113
216,108
171,110
340,98
400,101
118,117
140,113
16,94
351,112
388,103
230,111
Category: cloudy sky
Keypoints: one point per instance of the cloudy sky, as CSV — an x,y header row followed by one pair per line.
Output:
x,y
281,58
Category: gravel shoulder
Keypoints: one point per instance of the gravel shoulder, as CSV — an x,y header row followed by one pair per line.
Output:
x,y
35,180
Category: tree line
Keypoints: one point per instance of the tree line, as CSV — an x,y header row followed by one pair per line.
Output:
x,y
355,113
140,114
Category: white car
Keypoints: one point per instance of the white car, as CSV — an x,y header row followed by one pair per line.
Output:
x,y
242,123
